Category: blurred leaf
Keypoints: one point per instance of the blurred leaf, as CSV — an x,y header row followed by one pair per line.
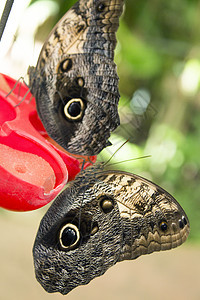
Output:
x,y
139,58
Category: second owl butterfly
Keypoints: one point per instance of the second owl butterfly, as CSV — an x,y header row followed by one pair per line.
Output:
x,y
102,218
75,82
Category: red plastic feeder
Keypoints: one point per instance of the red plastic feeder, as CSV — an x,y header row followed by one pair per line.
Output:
x,y
33,168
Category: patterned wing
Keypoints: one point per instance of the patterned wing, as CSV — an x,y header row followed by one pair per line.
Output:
x,y
101,219
151,217
75,82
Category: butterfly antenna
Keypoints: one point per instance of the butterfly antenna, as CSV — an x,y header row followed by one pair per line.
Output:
x,y
116,152
131,159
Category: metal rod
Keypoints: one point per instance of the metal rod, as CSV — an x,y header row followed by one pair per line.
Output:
x,y
5,16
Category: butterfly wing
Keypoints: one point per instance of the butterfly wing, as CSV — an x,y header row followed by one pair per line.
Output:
x,y
75,82
151,216
103,218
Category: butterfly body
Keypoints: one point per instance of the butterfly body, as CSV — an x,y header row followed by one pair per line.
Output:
x,y
102,218
76,62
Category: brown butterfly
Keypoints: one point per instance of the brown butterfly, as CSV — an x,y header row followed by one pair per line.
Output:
x,y
75,81
102,218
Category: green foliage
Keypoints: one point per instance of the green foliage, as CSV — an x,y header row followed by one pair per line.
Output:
x,y
135,57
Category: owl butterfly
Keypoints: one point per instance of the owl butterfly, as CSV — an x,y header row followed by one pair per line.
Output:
x,y
75,81
102,218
